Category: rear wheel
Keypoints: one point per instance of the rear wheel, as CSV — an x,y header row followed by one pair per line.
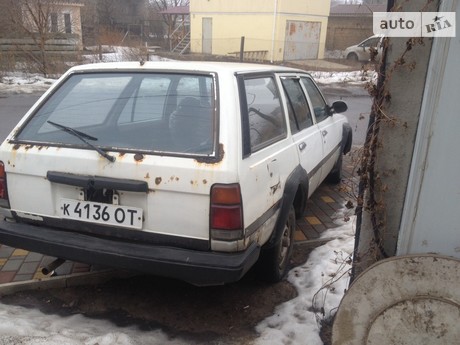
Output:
x,y
274,262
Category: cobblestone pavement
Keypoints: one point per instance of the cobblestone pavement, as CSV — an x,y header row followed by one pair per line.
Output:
x,y
18,265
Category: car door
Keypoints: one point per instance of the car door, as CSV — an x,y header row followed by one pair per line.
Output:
x,y
329,126
305,133
268,155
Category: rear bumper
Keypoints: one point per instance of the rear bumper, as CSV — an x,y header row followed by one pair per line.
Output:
x,y
195,267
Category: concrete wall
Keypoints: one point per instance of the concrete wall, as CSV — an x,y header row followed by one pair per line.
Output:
x,y
403,91
255,20
344,31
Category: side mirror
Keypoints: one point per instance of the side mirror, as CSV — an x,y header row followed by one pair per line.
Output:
x,y
338,107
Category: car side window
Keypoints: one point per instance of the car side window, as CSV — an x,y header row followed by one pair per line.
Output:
x,y
318,103
372,42
265,116
299,112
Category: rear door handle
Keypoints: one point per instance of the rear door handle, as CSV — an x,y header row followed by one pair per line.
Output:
x,y
324,133
302,146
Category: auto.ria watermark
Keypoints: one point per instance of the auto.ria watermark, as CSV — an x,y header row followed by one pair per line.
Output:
x,y
414,24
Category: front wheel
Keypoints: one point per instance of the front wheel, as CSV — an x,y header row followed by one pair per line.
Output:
x,y
352,57
274,262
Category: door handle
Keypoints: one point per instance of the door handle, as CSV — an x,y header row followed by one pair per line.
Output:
x,y
324,133
302,146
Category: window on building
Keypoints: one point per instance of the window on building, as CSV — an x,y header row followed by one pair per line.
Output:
x,y
54,22
67,23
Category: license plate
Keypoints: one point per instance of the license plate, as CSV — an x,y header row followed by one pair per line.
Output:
x,y
94,212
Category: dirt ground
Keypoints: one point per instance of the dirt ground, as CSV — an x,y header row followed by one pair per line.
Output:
x,y
212,315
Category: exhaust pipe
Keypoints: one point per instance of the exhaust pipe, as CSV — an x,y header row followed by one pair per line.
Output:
x,y
48,269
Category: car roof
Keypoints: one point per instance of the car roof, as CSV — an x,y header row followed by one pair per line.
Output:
x,y
364,40
373,36
195,66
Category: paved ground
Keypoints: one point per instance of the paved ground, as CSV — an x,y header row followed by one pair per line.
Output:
x,y
20,266
321,211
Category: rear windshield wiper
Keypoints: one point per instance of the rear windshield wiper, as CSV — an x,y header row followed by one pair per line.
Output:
x,y
83,136
72,130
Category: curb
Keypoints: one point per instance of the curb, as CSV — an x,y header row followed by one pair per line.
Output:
x,y
315,242
65,281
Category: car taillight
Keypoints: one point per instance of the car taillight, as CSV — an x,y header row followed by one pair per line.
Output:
x,y
226,216
3,192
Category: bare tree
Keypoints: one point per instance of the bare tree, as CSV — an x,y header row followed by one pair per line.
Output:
x,y
37,22
161,7
104,18
98,19
106,10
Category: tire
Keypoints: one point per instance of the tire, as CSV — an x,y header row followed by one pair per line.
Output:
x,y
352,57
335,176
273,264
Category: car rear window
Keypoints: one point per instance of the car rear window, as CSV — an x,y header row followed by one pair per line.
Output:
x,y
157,112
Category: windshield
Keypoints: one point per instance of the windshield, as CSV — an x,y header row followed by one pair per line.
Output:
x,y
153,112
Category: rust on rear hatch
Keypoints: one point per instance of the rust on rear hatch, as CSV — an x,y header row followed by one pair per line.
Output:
x,y
213,160
138,157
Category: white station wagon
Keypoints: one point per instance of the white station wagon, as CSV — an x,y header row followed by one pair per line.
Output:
x,y
189,170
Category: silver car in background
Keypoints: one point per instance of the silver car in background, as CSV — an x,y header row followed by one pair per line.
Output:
x,y
362,51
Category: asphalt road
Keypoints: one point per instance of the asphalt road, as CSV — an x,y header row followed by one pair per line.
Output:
x,y
13,107
359,106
